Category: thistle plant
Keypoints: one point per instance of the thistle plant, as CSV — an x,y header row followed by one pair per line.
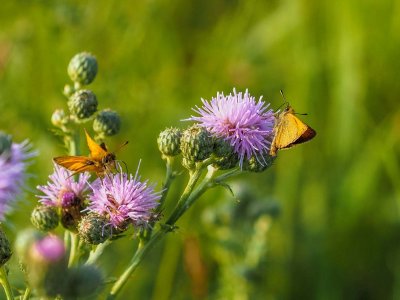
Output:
x,y
228,135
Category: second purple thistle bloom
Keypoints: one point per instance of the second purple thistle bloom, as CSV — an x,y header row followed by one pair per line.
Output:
x,y
123,198
245,123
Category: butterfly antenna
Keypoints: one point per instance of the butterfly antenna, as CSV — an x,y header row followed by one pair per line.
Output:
x,y
285,102
123,145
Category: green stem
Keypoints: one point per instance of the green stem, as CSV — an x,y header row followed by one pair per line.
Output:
x,y
74,143
193,196
136,259
94,255
194,177
5,283
169,176
27,293
74,249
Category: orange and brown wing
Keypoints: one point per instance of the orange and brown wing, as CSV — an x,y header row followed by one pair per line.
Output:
x,y
76,164
96,151
290,129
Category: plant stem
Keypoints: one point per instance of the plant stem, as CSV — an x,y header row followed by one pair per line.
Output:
x,y
193,196
194,177
5,283
136,259
27,293
94,255
74,249
169,176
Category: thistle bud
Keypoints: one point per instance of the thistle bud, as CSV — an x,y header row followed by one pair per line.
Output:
x,y
94,229
5,249
83,104
44,217
82,68
68,90
225,157
196,143
258,164
169,141
59,118
5,142
107,123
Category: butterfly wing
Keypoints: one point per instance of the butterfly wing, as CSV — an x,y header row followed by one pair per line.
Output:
x,y
290,131
76,164
290,128
97,152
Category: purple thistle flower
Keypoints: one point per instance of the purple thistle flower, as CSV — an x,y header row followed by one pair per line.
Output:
x,y
62,190
13,164
123,198
238,118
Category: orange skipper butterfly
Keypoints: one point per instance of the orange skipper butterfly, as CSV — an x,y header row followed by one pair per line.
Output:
x,y
100,160
290,131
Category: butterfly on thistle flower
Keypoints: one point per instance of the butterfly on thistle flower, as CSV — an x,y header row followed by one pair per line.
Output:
x,y
289,131
100,160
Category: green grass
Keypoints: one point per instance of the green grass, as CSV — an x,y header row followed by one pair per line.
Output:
x,y
337,234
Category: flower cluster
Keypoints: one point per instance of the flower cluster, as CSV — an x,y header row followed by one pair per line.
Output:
x,y
119,198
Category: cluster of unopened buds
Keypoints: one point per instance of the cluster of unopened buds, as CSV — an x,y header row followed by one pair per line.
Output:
x,y
95,201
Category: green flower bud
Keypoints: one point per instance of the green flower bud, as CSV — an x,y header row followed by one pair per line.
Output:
x,y
82,282
82,68
225,156
44,217
169,141
83,104
94,229
258,164
107,123
196,143
68,90
5,142
59,118
5,249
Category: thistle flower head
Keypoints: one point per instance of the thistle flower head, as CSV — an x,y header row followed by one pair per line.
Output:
x,y
123,198
62,190
13,164
238,118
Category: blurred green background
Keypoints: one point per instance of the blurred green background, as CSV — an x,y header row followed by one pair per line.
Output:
x,y
322,223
